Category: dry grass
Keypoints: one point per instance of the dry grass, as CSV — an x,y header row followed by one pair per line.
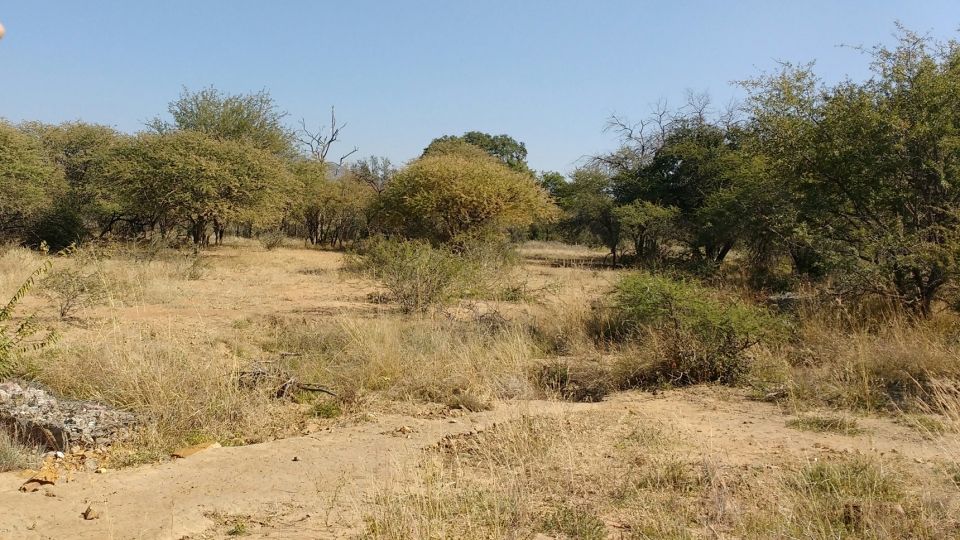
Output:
x,y
826,424
175,329
15,456
890,368
432,359
596,476
168,344
947,430
182,384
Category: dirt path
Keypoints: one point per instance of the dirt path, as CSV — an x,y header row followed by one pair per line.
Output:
x,y
315,486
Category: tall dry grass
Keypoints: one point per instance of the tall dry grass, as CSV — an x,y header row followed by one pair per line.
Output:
x,y
946,427
887,366
15,455
181,385
459,363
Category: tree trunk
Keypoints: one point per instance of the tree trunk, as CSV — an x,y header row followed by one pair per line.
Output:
x,y
218,230
198,232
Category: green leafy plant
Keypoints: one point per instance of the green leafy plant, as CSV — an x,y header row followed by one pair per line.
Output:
x,y
15,336
703,335
828,424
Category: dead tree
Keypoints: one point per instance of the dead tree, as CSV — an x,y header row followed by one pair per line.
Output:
x,y
320,141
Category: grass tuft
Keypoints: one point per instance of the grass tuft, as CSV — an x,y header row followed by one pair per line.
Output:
x,y
826,424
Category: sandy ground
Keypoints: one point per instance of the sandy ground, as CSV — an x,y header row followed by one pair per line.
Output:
x,y
316,486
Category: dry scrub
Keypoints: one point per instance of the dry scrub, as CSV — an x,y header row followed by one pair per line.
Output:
x,y
462,364
173,331
892,368
600,475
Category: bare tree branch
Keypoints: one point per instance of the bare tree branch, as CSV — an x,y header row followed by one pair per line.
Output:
x,y
320,141
345,156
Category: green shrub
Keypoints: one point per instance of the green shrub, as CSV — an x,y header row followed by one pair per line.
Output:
x,y
15,337
574,522
417,275
326,408
702,335
826,424
60,227
488,260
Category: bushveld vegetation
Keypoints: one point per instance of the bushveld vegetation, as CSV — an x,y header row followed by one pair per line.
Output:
x,y
802,249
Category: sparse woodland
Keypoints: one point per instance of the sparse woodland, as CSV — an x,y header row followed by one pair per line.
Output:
x,y
798,252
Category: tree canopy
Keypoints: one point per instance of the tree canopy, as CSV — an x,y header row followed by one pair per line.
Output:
x,y
29,180
253,118
188,177
505,148
440,196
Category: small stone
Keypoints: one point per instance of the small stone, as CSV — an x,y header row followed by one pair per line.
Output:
x,y
31,486
101,470
91,464
296,458
92,512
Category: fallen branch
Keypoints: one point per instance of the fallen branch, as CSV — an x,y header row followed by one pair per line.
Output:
x,y
283,384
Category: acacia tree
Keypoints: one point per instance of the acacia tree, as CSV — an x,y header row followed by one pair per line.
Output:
x,y
591,207
682,160
190,179
253,118
875,166
441,196
505,148
29,180
648,225
77,148
330,210
553,182
375,173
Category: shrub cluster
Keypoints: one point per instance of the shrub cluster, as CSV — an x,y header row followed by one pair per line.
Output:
x,y
419,275
699,335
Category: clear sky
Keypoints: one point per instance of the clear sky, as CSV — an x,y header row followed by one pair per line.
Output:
x,y
547,72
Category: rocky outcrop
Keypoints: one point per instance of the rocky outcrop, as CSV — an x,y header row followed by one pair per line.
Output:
x,y
34,416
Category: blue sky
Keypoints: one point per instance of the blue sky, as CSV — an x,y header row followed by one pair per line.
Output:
x,y
548,73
